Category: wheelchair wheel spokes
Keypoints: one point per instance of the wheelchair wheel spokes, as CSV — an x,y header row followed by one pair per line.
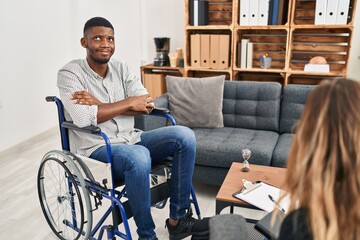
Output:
x,y
61,198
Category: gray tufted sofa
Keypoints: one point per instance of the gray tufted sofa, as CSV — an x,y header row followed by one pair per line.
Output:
x,y
257,115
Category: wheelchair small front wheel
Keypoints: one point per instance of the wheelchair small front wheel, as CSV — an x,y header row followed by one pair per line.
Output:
x,y
61,198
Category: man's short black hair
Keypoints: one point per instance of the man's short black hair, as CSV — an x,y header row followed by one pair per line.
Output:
x,y
97,22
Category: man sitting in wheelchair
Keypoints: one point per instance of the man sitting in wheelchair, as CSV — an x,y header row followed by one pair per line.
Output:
x,y
101,91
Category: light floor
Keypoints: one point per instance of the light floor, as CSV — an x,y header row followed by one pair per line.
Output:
x,y
20,213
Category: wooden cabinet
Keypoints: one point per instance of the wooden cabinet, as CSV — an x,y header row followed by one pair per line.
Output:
x,y
291,44
153,78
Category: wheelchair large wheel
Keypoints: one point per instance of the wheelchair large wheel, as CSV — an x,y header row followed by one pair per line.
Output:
x,y
64,197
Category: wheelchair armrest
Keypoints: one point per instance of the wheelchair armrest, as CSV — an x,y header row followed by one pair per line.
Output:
x,y
89,129
160,111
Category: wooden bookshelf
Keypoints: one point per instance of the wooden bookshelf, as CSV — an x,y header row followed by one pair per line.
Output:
x,y
291,44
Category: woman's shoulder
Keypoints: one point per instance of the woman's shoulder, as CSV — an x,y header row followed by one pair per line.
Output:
x,y
296,226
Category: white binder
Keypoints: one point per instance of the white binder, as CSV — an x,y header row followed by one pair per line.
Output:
x,y
196,12
320,12
342,12
263,12
244,12
249,55
331,11
254,10
244,43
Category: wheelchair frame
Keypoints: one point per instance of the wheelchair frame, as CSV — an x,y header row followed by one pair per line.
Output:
x,y
80,183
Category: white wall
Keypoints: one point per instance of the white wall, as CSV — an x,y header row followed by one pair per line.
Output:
x,y
34,44
162,18
40,36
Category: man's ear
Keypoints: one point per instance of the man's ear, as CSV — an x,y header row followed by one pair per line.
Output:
x,y
83,42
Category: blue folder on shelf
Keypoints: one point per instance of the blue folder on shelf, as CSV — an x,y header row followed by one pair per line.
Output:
x,y
275,12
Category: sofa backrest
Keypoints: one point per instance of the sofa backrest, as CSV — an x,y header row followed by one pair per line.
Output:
x,y
292,105
252,105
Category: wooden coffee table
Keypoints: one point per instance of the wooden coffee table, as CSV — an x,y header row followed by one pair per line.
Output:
x,y
233,183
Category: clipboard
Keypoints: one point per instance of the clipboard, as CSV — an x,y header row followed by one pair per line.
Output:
x,y
263,196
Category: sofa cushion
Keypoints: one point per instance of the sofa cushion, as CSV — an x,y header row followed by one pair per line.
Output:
x,y
221,147
196,102
252,105
292,105
281,152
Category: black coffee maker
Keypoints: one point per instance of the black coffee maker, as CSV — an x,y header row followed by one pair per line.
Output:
x,y
162,51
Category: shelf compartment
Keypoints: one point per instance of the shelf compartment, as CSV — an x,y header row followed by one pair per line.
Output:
x,y
220,12
283,17
307,79
332,44
260,77
271,41
304,12
191,32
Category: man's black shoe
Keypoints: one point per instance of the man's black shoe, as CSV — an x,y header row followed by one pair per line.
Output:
x,y
188,226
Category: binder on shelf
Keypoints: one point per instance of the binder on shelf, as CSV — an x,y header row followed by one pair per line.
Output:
x,y
195,50
320,12
224,48
331,11
204,50
253,12
238,58
249,55
263,13
271,6
244,12
244,43
342,12
214,50
281,12
275,12
199,12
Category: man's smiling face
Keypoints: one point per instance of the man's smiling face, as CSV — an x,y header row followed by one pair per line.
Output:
x,y
99,43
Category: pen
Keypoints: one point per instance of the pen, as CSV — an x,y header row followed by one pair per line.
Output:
x,y
272,199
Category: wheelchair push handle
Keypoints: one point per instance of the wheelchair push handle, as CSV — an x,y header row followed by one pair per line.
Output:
x,y
50,98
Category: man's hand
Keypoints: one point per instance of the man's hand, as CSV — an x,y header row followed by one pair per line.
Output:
x,y
85,98
142,104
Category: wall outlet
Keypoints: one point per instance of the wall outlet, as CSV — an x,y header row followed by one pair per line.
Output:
x,y
1,103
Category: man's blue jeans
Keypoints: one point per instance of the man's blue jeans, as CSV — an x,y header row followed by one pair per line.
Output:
x,y
133,163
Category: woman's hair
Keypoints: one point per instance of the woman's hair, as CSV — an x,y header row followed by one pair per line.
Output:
x,y
323,173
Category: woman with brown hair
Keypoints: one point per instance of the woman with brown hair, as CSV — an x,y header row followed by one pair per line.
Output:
x,y
323,173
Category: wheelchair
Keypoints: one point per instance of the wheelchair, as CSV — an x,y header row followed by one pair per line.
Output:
x,y
72,187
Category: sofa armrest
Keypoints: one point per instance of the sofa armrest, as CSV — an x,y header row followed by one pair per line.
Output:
x,y
146,122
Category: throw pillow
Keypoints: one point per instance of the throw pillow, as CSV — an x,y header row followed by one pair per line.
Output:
x,y
196,102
